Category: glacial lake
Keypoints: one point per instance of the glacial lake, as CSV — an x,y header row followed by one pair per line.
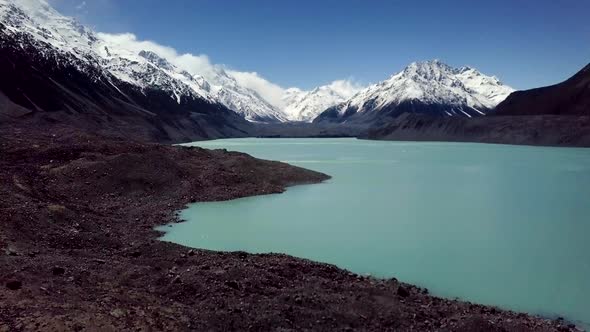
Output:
x,y
493,224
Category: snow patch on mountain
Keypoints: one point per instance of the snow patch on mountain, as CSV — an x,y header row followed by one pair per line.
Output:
x,y
490,89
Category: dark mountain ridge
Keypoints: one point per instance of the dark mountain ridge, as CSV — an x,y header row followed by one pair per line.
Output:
x,y
570,97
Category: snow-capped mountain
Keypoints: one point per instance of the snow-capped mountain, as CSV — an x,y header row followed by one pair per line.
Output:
x,y
143,68
430,87
54,70
38,20
307,105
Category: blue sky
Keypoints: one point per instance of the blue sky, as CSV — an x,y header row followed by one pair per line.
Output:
x,y
309,43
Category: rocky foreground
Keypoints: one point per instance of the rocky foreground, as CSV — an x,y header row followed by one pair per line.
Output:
x,y
78,249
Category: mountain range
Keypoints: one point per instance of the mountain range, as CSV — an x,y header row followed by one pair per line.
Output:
x,y
48,33
147,69
56,70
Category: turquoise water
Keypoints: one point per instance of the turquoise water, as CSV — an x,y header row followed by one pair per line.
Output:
x,y
493,224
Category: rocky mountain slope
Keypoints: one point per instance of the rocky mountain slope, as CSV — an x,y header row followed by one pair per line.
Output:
x,y
430,88
571,97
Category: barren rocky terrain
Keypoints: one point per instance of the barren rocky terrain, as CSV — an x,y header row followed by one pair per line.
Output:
x,y
79,250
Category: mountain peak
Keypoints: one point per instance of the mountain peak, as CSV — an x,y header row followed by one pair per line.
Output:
x,y
432,69
38,11
30,6
435,63
428,87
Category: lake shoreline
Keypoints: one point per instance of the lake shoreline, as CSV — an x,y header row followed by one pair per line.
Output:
x,y
80,249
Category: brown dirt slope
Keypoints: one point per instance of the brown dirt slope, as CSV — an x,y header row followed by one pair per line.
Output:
x,y
571,97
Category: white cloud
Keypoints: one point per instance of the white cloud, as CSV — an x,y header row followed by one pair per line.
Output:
x,y
275,94
194,64
271,92
346,88
81,5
